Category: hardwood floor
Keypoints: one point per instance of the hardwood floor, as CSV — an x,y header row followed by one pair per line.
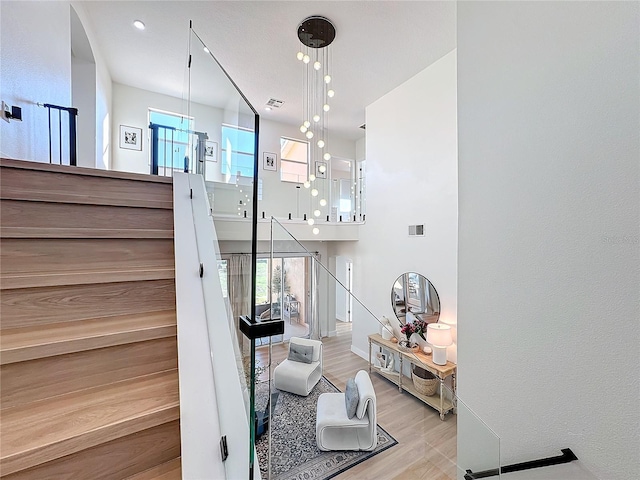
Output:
x,y
426,446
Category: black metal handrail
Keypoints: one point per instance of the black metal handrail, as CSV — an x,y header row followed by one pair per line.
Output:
x,y
73,142
155,152
566,457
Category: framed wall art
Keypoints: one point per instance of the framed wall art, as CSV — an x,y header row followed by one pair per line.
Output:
x,y
130,137
270,161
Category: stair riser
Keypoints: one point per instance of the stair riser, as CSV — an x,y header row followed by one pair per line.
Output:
x,y
40,215
119,458
36,306
90,439
55,256
24,184
35,380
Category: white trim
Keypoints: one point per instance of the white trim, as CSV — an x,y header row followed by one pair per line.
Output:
x,y
360,353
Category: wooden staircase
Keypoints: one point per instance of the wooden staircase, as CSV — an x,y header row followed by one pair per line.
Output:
x,y
88,352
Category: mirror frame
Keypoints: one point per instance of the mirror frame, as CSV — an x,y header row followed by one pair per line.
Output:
x,y
415,300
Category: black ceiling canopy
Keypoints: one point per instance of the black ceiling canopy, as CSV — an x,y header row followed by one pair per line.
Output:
x,y
316,32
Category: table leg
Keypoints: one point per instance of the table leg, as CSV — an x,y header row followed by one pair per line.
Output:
x,y
369,355
454,400
400,376
441,398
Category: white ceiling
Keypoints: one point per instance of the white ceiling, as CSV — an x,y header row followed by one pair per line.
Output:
x,y
378,46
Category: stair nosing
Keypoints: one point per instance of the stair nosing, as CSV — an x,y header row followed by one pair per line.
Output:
x,y
82,171
90,233
52,279
25,353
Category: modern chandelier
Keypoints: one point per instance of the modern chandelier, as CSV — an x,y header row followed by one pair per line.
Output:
x,y
316,33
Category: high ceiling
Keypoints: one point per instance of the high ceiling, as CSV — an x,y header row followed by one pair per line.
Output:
x,y
378,46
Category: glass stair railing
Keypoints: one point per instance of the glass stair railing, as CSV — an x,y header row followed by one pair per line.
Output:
x,y
420,433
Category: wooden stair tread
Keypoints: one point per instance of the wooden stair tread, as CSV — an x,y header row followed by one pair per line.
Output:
x,y
171,470
28,343
44,232
38,432
36,196
52,279
93,172
34,181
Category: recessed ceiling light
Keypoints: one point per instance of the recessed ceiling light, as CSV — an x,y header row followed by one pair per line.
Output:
x,y
268,109
139,25
206,50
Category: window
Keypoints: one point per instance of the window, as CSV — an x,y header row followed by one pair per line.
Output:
x,y
294,160
175,143
238,149
222,272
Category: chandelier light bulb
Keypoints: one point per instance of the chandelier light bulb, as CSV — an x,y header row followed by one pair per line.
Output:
x,y
311,221
320,143
312,177
316,118
322,168
314,192
307,123
317,65
307,184
317,213
326,107
315,230
327,156
323,202
299,55
306,59
309,134
303,129
330,93
327,79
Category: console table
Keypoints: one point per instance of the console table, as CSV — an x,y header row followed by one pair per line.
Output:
x,y
437,401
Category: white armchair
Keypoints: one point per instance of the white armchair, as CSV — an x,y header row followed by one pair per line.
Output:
x,y
296,376
336,431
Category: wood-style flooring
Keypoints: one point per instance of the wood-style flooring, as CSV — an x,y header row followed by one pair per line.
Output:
x,y
426,448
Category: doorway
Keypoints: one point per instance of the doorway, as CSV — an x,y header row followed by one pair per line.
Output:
x,y
283,292
344,300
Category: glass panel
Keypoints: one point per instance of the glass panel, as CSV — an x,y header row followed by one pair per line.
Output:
x,y
224,152
446,437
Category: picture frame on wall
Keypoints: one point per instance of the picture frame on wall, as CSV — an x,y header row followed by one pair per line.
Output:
x,y
270,161
130,138
211,152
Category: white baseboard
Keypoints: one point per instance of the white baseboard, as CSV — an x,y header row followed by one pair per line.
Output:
x,y
360,353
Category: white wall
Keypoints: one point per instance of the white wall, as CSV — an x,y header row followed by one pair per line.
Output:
x,y
411,171
281,198
131,107
549,254
83,86
103,94
35,67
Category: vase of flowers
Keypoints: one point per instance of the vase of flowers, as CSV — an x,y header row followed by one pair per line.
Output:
x,y
416,326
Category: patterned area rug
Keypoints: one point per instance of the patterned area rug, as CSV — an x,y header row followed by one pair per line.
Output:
x,y
295,455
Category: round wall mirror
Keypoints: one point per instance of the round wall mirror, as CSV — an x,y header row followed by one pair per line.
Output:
x,y
414,293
